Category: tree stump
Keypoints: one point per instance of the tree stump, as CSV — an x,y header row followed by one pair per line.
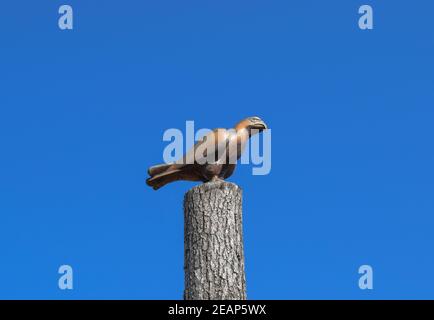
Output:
x,y
213,242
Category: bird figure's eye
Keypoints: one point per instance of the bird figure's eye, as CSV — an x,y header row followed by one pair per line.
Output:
x,y
255,119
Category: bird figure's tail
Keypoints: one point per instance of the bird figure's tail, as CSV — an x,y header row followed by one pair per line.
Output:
x,y
162,174
159,168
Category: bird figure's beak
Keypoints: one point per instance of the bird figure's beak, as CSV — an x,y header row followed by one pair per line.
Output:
x,y
260,126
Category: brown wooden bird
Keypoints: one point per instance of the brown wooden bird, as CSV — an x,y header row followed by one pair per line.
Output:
x,y
212,158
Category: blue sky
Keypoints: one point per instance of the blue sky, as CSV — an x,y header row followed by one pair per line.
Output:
x,y
82,114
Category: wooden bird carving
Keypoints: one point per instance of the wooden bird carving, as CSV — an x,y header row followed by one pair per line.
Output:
x,y
212,158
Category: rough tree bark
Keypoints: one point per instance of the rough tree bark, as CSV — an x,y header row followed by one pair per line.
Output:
x,y
213,242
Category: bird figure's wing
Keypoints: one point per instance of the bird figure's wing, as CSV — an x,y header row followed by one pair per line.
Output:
x,y
209,147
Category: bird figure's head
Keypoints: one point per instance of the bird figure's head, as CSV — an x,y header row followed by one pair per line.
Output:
x,y
252,124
